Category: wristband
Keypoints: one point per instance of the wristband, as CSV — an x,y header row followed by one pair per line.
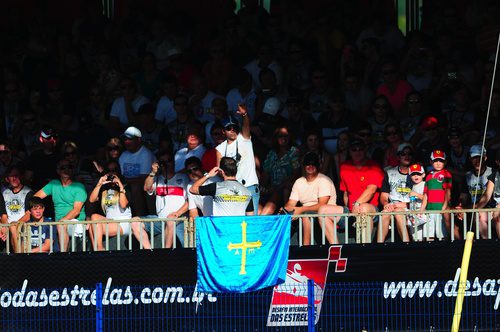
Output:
x,y
356,203
243,115
206,175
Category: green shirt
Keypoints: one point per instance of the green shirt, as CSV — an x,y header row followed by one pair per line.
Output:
x,y
65,196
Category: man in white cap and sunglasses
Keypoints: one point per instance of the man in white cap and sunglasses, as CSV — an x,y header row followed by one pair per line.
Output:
x,y
135,163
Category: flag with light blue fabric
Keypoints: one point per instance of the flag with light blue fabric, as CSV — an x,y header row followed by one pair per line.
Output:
x,y
242,254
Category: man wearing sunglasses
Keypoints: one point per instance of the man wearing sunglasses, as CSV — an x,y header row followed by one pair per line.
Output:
x,y
395,193
360,180
170,191
238,145
41,166
69,198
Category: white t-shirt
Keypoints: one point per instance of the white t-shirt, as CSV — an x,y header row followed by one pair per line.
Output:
x,y
476,188
246,174
204,203
119,111
165,112
111,203
15,203
201,111
308,193
183,154
136,164
170,196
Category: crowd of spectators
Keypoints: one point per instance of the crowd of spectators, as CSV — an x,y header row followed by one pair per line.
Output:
x,y
333,111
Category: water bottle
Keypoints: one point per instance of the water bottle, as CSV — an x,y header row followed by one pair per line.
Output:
x,y
413,207
413,203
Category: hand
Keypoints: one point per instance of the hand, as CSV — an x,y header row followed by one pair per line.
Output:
x,y
118,182
412,193
213,172
356,209
173,215
389,207
459,215
154,167
3,233
242,110
103,180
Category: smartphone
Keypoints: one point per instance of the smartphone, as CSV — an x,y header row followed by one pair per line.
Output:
x,y
452,75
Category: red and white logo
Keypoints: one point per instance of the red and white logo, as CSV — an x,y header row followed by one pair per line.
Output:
x,y
289,302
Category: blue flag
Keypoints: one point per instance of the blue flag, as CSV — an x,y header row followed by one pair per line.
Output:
x,y
242,254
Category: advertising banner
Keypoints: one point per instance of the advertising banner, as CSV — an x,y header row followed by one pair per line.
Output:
x,y
376,287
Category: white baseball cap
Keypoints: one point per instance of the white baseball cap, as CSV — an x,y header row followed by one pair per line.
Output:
x,y
132,132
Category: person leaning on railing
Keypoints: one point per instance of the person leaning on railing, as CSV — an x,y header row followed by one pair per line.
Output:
x,y
361,180
69,197
114,198
491,197
312,191
40,237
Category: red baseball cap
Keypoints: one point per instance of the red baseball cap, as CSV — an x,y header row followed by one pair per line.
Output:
x,y
416,168
438,154
429,122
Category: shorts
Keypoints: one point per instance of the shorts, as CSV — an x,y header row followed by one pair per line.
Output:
x,y
158,227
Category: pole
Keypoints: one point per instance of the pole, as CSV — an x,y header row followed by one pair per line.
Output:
x,y
310,305
462,282
98,311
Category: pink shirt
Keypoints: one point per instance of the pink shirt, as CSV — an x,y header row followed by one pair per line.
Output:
x,y
396,98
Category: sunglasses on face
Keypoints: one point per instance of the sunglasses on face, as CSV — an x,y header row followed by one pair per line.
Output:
x,y
380,106
65,167
193,169
232,128
419,174
113,148
438,161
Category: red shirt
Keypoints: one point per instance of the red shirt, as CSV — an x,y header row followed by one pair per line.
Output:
x,y
209,160
355,180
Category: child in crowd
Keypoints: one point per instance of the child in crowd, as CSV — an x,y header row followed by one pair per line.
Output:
x,y
437,193
41,236
417,223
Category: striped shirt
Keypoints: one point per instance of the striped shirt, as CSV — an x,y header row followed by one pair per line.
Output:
x,y
436,185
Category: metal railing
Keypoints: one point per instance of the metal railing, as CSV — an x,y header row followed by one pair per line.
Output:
x,y
348,228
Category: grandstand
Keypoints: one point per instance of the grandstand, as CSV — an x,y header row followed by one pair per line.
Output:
x,y
367,130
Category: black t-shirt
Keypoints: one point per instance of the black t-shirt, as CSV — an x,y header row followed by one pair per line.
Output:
x,y
43,167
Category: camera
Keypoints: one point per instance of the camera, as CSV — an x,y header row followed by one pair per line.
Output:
x,y
110,177
237,157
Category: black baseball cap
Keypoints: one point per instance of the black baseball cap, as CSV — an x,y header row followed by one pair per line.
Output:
x,y
311,158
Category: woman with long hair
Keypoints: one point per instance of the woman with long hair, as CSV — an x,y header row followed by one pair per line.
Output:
x,y
281,168
114,199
